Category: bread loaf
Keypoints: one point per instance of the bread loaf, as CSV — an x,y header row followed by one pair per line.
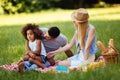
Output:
x,y
102,47
111,43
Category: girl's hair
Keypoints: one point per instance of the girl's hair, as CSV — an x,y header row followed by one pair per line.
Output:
x,y
37,32
81,17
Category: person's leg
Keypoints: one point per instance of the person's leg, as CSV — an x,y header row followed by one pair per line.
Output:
x,y
33,66
64,63
21,67
26,57
27,65
69,53
37,62
47,64
21,60
51,61
38,58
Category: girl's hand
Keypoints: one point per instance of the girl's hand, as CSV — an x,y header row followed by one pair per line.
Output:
x,y
50,54
32,55
27,52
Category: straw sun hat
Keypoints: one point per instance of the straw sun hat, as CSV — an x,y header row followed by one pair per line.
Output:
x,y
81,15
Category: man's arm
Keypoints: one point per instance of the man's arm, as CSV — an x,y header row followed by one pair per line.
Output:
x,y
65,49
63,43
69,53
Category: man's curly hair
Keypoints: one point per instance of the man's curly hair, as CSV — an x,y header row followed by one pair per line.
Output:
x,y
35,28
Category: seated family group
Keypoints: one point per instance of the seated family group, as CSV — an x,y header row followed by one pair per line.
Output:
x,y
43,44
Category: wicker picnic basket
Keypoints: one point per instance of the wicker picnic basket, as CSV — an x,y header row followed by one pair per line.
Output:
x,y
111,56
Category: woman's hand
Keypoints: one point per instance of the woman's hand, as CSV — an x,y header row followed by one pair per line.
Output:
x,y
50,54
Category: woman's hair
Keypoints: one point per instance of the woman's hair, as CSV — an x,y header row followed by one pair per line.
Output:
x,y
82,27
81,17
35,28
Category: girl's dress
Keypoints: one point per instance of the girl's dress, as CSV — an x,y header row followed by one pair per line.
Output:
x,y
78,58
33,47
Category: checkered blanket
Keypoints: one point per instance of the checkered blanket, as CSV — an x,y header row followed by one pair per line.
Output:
x,y
11,67
14,66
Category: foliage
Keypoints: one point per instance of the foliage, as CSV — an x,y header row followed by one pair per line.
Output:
x,y
19,6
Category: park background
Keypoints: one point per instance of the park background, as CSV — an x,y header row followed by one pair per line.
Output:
x,y
14,14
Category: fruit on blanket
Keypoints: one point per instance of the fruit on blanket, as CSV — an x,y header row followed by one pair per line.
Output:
x,y
102,47
84,68
91,65
101,64
94,65
53,70
79,68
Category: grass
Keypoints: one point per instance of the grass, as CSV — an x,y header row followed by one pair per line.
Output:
x,y
106,22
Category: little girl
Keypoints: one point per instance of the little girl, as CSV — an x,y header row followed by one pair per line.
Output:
x,y
35,55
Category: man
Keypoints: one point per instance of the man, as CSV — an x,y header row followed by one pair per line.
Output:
x,y
53,40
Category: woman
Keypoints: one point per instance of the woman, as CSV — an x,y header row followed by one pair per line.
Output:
x,y
85,39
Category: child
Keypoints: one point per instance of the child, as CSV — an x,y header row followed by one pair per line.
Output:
x,y
85,39
35,55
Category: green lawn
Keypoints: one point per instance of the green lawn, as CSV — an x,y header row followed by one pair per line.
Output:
x,y
105,20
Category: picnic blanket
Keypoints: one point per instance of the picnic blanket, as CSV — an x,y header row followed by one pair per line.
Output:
x,y
11,67
14,66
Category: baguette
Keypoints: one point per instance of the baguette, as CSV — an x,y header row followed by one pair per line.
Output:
x,y
102,47
111,43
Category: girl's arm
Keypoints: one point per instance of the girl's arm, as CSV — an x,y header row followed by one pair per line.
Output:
x,y
27,47
38,51
66,47
89,42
